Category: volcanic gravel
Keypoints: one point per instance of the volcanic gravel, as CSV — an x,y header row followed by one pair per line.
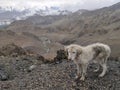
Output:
x,y
52,76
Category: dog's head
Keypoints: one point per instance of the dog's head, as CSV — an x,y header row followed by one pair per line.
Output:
x,y
73,51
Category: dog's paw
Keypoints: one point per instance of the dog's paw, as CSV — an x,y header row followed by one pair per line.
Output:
x,y
101,75
76,77
82,78
96,70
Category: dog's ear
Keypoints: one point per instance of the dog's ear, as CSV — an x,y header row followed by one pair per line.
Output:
x,y
79,51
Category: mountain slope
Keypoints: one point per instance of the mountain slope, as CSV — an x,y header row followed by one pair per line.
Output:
x,y
10,14
101,25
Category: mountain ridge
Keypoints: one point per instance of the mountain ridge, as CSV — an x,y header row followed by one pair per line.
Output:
x,y
101,25
7,16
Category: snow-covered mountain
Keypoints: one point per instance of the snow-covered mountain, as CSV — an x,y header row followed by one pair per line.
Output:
x,y
10,14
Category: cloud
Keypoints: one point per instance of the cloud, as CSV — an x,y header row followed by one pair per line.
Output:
x,y
62,4
94,4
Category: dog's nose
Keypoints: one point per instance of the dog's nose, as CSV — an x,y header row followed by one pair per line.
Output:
x,y
69,59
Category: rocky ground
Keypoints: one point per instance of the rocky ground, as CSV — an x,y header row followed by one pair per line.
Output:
x,y
24,41
54,76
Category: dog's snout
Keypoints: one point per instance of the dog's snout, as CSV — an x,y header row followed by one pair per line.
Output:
x,y
69,59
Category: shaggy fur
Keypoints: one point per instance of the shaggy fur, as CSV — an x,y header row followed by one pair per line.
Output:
x,y
83,55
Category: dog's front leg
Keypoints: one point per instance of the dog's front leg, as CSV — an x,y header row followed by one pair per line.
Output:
x,y
78,71
84,70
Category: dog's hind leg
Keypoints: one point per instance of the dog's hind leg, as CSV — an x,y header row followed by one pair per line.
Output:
x,y
102,60
104,66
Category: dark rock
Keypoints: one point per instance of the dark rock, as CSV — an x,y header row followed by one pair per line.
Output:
x,y
61,55
3,75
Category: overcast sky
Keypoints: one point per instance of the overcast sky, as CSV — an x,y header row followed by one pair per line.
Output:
x,y
62,4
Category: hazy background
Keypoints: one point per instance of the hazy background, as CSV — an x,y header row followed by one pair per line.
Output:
x,y
61,4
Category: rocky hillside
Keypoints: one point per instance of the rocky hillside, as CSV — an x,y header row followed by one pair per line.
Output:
x,y
14,75
39,41
101,25
15,72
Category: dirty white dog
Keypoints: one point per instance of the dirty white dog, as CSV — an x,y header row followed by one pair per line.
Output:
x,y
83,55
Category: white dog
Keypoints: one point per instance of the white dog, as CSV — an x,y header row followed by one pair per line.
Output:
x,y
83,55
